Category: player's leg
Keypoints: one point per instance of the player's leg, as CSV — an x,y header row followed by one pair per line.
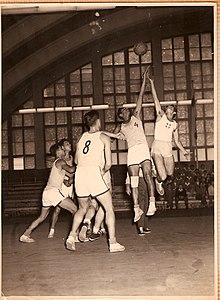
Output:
x,y
92,207
133,171
169,165
77,220
161,172
54,220
142,197
106,201
26,235
99,218
147,172
69,205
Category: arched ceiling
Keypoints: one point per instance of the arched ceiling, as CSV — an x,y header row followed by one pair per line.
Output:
x,y
33,43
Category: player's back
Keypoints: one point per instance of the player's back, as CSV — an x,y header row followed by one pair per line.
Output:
x,y
90,150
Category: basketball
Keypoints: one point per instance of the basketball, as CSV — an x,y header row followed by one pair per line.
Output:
x,y
140,48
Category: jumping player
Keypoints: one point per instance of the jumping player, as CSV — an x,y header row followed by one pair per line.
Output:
x,y
166,129
52,194
138,152
67,187
91,148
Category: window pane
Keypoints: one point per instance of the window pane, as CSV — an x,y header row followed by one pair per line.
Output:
x,y
49,103
180,83
179,55
199,111
167,56
120,100
60,102
108,87
49,118
60,89
167,44
109,115
148,113
209,110
209,125
206,39
49,91
5,165
76,117
207,53
168,70
210,153
122,145
29,135
107,60
182,111
76,132
28,120
76,102
61,133
29,162
87,73
178,42
210,139
61,118
107,74
194,54
18,163
5,149
75,89
4,136
169,96
75,76
168,84
87,101
200,139
207,68
17,135
16,120
135,86
209,95
194,40
29,148
208,82
109,100
134,73
17,148
184,140
149,128
133,58
146,58
119,58
50,134
201,154
200,126
183,127
122,158
181,96
87,88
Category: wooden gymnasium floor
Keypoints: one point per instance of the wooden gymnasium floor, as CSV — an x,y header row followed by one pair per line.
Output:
x,y
175,259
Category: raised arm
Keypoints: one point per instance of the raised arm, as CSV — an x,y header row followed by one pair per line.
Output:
x,y
117,134
157,105
61,164
137,111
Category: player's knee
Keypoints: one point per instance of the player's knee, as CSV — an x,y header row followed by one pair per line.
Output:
x,y
163,177
134,181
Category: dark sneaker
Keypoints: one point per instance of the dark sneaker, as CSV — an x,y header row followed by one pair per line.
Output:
x,y
94,236
146,230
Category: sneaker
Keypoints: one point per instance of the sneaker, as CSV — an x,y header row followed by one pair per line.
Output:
x,y
70,243
103,231
146,230
159,187
141,232
26,239
116,247
151,209
51,234
82,234
94,236
137,214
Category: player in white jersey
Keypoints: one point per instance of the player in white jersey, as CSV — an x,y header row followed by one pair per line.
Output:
x,y
67,187
166,130
138,152
52,194
89,178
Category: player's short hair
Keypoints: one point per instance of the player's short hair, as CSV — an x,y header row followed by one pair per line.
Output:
x,y
61,142
53,149
90,118
120,110
174,107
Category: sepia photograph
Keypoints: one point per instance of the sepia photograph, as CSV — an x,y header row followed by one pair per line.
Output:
x,y
108,151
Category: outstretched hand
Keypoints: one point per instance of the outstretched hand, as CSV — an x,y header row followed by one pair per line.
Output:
x,y
120,136
187,155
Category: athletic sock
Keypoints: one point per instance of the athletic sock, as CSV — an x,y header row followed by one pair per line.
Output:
x,y
86,222
152,199
112,240
95,230
72,234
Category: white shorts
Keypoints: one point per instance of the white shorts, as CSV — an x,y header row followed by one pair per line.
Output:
x,y
89,182
52,197
137,154
67,191
162,148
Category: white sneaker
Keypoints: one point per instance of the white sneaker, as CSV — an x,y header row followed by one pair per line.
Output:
x,y
137,213
26,239
82,234
151,209
70,243
159,187
51,233
116,247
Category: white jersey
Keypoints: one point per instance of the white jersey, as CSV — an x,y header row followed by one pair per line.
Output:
x,y
164,129
90,150
56,177
134,132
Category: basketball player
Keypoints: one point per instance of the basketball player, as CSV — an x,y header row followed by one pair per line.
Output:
x,y
90,149
166,129
67,188
52,195
138,152
143,202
